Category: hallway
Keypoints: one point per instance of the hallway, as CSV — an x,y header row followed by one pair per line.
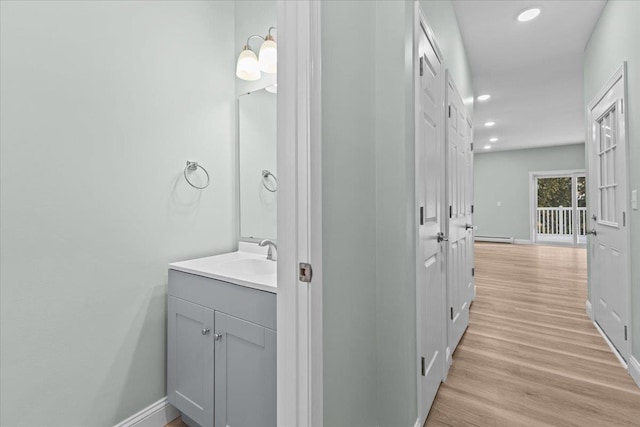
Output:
x,y
531,356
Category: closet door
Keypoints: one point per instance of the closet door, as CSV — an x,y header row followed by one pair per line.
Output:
x,y
430,262
460,253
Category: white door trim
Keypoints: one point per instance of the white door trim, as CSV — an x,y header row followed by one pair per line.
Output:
x,y
533,192
620,73
634,369
299,318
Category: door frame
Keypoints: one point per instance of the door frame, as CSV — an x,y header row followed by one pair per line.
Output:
x,y
420,22
299,314
619,74
533,198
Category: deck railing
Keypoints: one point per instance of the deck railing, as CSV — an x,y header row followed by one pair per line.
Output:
x,y
559,221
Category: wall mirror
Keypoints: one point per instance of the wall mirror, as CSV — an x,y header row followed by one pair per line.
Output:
x,y
257,165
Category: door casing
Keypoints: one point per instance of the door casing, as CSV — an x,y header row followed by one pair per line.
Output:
x,y
299,314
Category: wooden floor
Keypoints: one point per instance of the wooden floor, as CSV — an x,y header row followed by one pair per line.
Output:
x,y
531,356
176,423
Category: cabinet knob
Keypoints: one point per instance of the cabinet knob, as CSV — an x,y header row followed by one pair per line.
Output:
x,y
217,337
205,331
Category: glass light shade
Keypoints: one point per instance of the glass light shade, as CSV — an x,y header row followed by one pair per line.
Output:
x,y
272,89
268,56
248,67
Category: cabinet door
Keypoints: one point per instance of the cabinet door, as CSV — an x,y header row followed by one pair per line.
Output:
x,y
190,360
245,373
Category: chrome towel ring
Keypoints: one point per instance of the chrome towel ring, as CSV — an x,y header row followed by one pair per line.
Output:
x,y
265,177
193,166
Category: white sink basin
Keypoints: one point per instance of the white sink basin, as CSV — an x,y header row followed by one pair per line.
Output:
x,y
251,267
243,268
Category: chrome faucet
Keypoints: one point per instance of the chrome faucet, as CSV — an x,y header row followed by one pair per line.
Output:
x,y
272,245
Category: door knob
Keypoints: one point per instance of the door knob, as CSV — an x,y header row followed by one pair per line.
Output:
x,y
594,217
593,232
441,237
217,337
205,331
468,226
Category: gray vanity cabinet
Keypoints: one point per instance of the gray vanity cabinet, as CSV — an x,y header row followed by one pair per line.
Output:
x,y
190,354
221,352
245,374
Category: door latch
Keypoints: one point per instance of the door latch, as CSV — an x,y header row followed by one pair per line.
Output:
x,y
305,272
441,237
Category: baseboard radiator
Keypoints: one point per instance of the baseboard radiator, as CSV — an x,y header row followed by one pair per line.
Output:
x,y
494,239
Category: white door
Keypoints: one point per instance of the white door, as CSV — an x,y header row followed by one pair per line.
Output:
x,y
609,234
430,274
460,232
470,283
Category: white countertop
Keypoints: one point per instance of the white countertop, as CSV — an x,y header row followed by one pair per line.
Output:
x,y
246,267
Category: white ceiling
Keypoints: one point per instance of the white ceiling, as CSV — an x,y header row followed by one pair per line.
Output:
x,y
532,70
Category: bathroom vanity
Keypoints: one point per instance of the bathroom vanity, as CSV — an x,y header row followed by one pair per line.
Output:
x,y
221,331
221,343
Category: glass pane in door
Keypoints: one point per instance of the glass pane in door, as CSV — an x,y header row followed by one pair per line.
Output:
x,y
607,193
554,212
581,204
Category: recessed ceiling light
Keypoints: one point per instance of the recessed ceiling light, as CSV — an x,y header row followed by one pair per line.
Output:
x,y
494,139
484,97
529,14
487,147
489,124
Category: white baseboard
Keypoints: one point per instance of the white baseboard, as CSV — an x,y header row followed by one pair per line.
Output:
x,y
494,239
590,311
158,414
522,242
634,369
612,347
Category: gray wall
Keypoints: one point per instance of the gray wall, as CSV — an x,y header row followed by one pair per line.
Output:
x,y
503,176
395,234
368,200
349,217
615,39
101,105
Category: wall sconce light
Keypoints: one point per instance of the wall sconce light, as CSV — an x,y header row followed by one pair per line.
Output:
x,y
249,65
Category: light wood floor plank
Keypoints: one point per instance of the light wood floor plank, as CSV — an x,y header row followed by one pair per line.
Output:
x,y
531,356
